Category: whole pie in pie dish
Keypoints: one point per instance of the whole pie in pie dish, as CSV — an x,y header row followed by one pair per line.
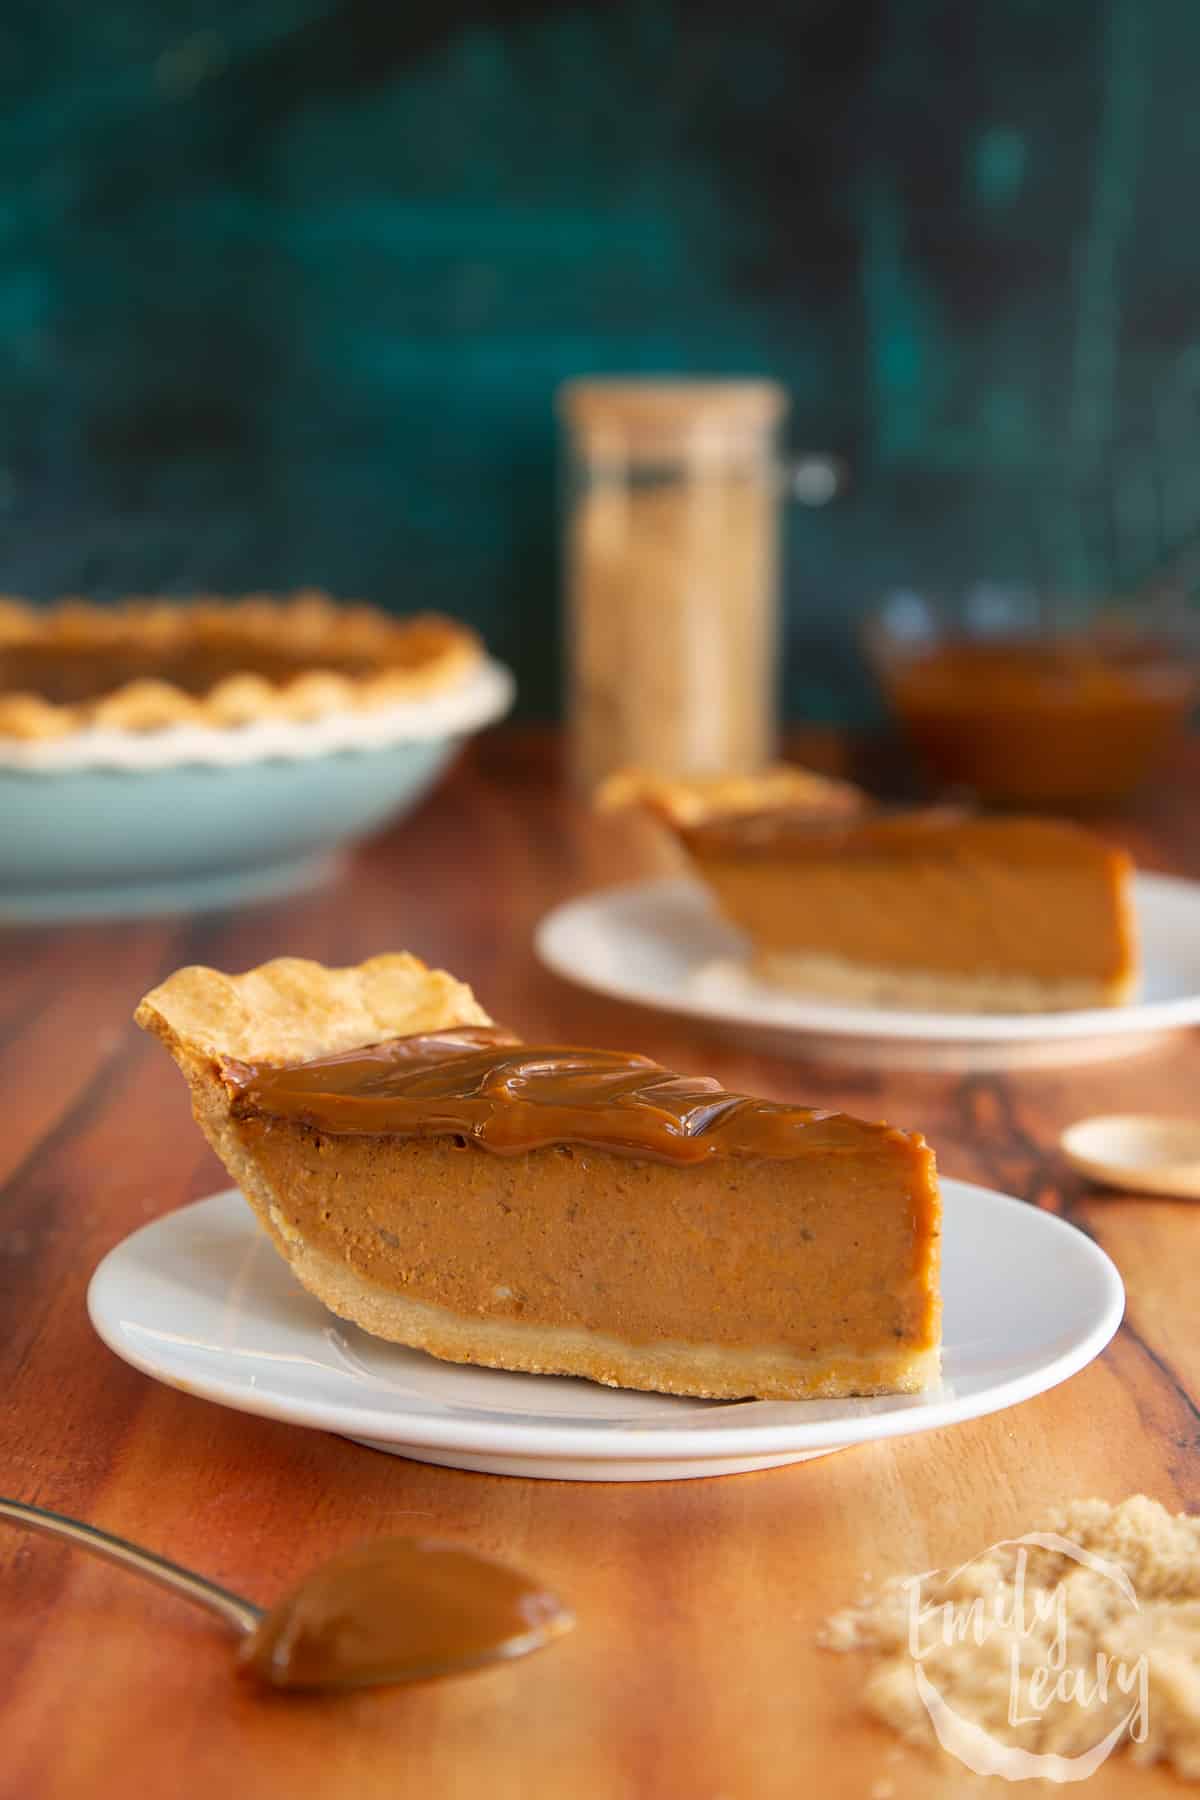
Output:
x,y
556,1210
933,908
146,665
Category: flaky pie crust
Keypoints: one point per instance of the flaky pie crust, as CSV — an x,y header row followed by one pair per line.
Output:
x,y
402,659
291,1010
681,800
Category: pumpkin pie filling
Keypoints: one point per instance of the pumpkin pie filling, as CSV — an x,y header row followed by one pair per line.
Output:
x,y
577,1211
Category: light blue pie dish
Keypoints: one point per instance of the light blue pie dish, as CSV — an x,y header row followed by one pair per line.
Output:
x,y
120,824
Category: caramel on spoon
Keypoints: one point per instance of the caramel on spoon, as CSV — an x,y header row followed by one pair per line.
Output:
x,y
392,1610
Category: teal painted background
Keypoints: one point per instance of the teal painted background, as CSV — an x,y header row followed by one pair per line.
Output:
x,y
286,287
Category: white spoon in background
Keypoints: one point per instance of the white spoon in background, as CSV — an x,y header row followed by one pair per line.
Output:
x,y
1138,1152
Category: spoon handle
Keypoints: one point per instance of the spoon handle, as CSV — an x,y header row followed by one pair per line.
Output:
x,y
235,1611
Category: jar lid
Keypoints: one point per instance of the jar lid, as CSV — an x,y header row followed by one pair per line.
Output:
x,y
658,412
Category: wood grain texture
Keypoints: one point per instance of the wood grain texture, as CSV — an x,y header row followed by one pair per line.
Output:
x,y
694,1670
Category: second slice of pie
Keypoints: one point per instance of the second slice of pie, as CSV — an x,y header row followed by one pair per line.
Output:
x,y
932,908
556,1210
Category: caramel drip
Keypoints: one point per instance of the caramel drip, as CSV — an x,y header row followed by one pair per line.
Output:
x,y
486,1087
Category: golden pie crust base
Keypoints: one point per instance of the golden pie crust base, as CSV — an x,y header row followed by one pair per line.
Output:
x,y
815,975
435,1244
295,658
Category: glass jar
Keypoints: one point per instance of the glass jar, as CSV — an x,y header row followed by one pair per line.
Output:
x,y
672,574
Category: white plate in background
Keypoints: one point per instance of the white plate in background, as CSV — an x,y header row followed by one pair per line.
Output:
x,y
661,943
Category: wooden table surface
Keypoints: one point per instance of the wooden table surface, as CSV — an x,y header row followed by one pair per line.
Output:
x,y
694,1670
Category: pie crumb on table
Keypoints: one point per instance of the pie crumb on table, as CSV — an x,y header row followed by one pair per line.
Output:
x,y
1118,1604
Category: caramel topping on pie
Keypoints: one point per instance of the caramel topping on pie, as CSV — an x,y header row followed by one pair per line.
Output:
x,y
916,833
508,1097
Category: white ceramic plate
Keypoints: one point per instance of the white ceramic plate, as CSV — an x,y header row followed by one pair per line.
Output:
x,y
200,1300
662,944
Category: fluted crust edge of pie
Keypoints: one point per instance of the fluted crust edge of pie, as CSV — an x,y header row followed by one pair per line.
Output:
x,y
141,666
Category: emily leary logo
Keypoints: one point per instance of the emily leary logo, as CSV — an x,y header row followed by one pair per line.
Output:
x,y
1026,1630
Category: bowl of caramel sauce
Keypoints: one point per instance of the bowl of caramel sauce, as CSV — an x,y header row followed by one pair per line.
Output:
x,y
1073,718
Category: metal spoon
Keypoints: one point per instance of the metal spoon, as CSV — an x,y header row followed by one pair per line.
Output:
x,y
391,1610
1138,1152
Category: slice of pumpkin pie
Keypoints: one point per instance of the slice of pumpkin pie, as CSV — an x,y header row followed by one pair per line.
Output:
x,y
934,908
556,1210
